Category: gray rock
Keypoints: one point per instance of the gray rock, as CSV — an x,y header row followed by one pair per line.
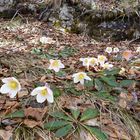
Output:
x,y
5,4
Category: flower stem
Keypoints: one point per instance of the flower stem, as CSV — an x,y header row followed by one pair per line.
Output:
x,y
54,75
17,98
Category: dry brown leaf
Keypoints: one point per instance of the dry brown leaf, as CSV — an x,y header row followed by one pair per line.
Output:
x,y
31,123
110,132
2,103
120,132
123,100
37,113
127,54
22,93
5,135
80,87
24,82
10,106
43,78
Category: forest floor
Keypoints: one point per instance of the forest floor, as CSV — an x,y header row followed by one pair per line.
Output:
x,y
115,95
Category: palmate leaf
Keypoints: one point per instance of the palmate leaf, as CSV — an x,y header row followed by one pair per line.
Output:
x,y
111,81
89,114
60,115
89,83
114,71
98,84
53,125
75,113
63,131
16,114
56,92
126,83
100,135
105,96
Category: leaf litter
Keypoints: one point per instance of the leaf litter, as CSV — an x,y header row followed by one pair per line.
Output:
x,y
22,55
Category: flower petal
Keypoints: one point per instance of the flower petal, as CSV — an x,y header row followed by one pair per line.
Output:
x,y
4,89
82,82
76,80
37,90
40,98
49,96
56,69
62,65
12,94
6,80
87,78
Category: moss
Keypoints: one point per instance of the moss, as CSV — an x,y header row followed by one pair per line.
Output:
x,y
57,24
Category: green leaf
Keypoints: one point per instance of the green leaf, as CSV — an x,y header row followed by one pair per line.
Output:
x,y
111,81
16,114
67,52
61,73
126,83
63,131
55,124
105,96
75,113
100,135
60,115
98,84
112,72
72,90
89,83
89,114
56,92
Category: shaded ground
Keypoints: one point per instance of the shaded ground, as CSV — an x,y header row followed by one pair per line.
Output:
x,y
22,56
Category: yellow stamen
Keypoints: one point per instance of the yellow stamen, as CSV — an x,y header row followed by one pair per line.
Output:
x,y
55,63
13,85
86,61
101,58
81,76
44,92
92,61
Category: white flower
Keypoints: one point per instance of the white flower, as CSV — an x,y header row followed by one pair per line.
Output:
x,y
11,85
56,65
116,50
108,50
80,77
93,61
107,66
85,61
138,50
89,61
43,93
46,40
101,59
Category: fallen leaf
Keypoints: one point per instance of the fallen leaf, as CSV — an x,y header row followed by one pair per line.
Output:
x,y
31,123
5,135
2,103
23,92
123,100
10,106
80,87
37,113
127,54
43,78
